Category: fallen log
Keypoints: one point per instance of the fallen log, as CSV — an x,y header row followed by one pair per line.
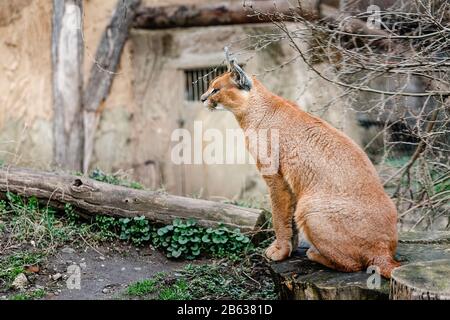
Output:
x,y
92,197
298,278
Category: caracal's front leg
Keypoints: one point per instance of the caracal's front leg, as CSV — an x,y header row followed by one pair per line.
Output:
x,y
283,202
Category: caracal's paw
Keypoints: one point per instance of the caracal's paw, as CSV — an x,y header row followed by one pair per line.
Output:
x,y
279,250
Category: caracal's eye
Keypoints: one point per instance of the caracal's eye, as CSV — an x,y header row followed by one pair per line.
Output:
x,y
215,90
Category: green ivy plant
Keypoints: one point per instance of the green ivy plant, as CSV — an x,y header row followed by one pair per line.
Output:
x,y
136,230
179,239
185,239
107,227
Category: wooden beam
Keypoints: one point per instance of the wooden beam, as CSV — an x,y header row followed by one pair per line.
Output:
x,y
247,12
103,70
92,198
226,13
67,61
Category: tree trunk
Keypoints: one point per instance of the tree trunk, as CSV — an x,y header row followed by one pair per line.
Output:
x,y
67,60
203,15
298,278
421,281
103,71
92,197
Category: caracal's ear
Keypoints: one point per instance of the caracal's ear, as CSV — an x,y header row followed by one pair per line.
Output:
x,y
242,80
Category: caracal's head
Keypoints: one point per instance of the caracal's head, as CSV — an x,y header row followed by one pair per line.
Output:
x,y
230,90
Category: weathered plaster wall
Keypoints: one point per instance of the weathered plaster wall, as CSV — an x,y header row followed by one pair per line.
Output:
x,y
25,85
25,88
112,145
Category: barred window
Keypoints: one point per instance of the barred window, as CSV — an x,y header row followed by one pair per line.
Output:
x,y
197,80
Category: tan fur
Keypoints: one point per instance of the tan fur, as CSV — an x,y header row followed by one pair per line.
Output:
x,y
325,182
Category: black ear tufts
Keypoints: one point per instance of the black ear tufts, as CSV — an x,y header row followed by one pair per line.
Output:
x,y
246,85
243,81
227,57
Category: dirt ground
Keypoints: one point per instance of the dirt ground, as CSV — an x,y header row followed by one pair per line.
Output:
x,y
105,272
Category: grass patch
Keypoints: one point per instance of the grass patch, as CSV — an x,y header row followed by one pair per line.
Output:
x,y
34,295
177,291
13,265
157,288
142,288
27,220
242,279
